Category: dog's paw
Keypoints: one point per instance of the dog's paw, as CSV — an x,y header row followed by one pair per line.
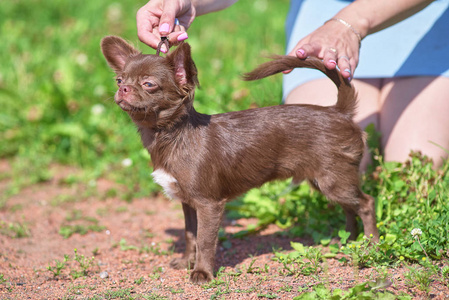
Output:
x,y
200,277
181,263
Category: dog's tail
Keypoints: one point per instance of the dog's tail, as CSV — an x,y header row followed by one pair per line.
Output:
x,y
347,96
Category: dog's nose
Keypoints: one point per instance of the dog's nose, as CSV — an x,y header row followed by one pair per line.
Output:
x,y
124,89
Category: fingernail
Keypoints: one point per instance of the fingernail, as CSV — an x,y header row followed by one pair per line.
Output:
x,y
332,62
183,36
302,52
163,48
164,28
348,71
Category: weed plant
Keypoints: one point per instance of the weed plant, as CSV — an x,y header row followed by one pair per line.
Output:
x,y
85,263
14,230
302,261
364,290
79,265
421,276
59,266
87,224
2,278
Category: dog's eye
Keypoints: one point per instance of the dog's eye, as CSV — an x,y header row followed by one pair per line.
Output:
x,y
148,84
119,81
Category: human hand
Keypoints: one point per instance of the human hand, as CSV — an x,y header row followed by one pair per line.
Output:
x,y
157,18
336,43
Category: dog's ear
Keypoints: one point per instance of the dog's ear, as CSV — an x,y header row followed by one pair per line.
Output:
x,y
186,73
116,51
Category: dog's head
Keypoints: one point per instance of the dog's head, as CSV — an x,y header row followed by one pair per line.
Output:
x,y
152,89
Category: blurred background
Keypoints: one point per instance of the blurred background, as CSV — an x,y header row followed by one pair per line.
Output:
x,y
56,90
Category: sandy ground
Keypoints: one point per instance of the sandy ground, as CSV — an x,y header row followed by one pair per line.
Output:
x,y
126,251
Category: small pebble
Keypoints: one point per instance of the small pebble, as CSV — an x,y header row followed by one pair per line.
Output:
x,y
104,275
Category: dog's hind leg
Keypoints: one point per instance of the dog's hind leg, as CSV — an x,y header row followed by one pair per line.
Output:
x,y
346,191
351,221
367,212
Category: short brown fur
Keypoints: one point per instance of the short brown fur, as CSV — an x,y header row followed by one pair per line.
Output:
x,y
210,159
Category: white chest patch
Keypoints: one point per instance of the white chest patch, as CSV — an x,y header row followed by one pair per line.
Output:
x,y
166,181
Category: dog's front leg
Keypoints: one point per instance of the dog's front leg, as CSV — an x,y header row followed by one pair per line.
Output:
x,y
209,218
188,259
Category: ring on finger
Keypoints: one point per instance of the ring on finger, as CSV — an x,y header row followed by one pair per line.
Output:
x,y
331,49
345,57
176,21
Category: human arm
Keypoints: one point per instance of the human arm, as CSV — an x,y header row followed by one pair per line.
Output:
x,y
157,18
338,44
207,6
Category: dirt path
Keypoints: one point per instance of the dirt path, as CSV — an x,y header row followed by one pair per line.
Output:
x,y
126,251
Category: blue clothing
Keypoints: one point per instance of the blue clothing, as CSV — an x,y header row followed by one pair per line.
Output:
x,y
416,46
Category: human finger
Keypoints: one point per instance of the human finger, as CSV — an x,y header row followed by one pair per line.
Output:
x,y
176,37
330,58
301,53
146,24
305,50
170,10
178,26
344,64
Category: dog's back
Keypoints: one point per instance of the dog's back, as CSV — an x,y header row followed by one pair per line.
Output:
x,y
248,148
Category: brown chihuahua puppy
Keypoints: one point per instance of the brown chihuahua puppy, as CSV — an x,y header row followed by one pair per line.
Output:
x,y
205,161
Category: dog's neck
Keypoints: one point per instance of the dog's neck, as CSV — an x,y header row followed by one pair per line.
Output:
x,y
164,130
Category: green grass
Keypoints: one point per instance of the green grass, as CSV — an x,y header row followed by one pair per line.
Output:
x,y
84,224
14,230
56,89
408,196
